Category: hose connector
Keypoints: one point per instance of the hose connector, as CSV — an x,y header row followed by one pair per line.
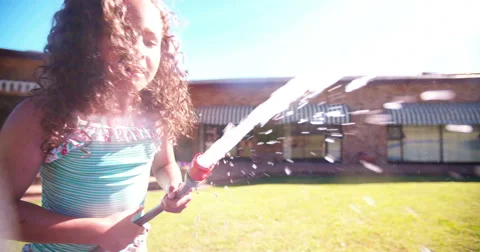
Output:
x,y
198,172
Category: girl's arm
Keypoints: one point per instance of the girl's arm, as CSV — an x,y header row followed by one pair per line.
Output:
x,y
168,175
20,160
165,167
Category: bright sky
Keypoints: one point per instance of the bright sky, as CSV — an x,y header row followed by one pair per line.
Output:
x,y
269,38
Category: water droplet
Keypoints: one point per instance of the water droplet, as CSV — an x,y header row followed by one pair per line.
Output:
x,y
231,181
272,142
455,175
289,113
378,119
225,187
302,121
336,135
336,113
228,174
369,201
215,195
280,138
392,105
410,211
459,128
254,166
279,153
336,87
242,171
437,95
289,160
197,219
354,208
270,163
329,140
248,182
360,112
267,175
260,143
313,153
358,83
268,132
305,132
288,171
425,249
195,234
231,157
371,166
231,164
330,159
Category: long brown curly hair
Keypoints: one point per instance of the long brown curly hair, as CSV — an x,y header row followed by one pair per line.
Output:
x,y
73,76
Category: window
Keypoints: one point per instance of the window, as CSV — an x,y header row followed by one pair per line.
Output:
x,y
307,141
461,146
421,143
395,148
211,133
433,144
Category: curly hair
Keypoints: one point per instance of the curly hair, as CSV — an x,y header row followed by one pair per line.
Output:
x,y
73,77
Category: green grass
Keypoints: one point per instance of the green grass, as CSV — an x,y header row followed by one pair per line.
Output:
x,y
324,214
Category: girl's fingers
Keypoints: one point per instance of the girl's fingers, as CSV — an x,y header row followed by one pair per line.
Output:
x,y
181,203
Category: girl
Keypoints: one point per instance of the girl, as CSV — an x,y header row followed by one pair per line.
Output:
x,y
112,102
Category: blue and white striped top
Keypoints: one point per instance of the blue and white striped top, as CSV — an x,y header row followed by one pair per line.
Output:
x,y
97,172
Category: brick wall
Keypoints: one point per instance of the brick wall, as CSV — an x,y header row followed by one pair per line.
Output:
x,y
18,66
360,137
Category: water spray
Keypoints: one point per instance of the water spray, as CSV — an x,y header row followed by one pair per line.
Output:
x,y
299,88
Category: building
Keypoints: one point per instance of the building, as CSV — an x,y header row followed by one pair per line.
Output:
x,y
393,121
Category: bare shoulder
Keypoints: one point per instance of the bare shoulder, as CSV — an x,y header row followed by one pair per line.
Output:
x,y
25,111
20,146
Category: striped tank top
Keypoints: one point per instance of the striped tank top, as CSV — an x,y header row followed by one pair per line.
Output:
x,y
98,171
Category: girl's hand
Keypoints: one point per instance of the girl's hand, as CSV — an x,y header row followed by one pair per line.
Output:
x,y
173,204
118,230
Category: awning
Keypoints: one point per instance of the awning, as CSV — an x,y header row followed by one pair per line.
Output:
x,y
436,114
223,115
333,114
12,86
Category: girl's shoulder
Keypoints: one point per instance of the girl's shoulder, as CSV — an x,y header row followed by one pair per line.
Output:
x,y
26,115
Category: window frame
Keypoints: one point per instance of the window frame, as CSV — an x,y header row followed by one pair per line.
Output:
x,y
441,147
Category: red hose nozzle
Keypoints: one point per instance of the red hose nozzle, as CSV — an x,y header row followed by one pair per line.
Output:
x,y
198,172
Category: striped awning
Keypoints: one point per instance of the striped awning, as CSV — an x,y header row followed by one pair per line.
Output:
x,y
436,114
12,86
223,115
333,114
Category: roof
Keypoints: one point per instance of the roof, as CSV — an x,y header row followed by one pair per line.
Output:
x,y
283,80
435,114
327,114
21,54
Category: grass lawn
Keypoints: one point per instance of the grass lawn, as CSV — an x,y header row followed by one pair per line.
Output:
x,y
324,214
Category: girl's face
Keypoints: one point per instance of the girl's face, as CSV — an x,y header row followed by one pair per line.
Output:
x,y
145,16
